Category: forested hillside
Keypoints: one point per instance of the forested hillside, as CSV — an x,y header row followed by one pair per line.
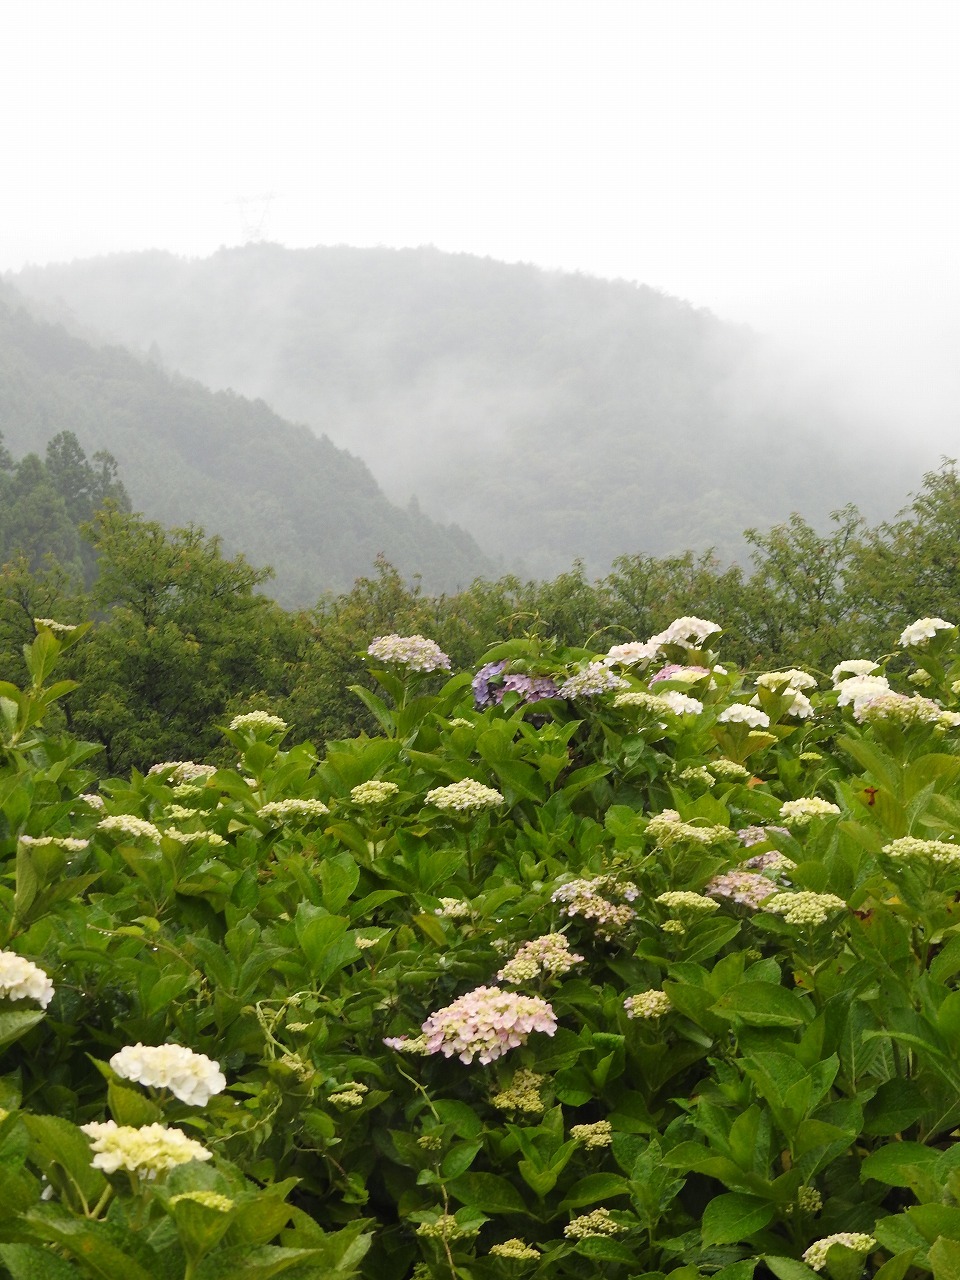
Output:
x,y
554,416
278,492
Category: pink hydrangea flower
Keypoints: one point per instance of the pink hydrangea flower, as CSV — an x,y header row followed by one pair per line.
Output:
x,y
485,1023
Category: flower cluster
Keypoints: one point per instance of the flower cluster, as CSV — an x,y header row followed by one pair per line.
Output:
x,y
924,629
816,1256
586,898
805,908
798,814
125,824
631,654
648,1004
683,675
177,771
521,1094
416,653
408,1044
211,838
684,901
594,679
903,710
373,792
192,1077
744,888
690,632
597,1223
858,689
58,628
668,829
453,909
749,836
149,1150
92,799
773,861
515,1248
464,796
739,713
351,1095
292,810
258,720
852,667
697,773
21,979
68,843
909,847
670,702
445,1227
209,1200
809,1200
485,1023
727,770
547,954
792,678
599,1134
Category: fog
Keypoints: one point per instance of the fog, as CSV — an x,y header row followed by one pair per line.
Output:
x,y
789,167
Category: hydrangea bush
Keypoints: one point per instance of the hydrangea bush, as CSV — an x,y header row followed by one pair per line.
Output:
x,y
592,964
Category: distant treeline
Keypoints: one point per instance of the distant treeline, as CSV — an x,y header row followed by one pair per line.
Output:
x,y
184,638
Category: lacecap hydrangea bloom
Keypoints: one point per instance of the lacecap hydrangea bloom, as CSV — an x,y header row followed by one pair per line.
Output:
x,y
549,954
485,1023
147,1151
522,1093
898,708
258,720
594,679
684,901
744,888
918,633
21,979
192,1077
125,824
805,908
464,796
177,771
816,1256
597,1223
800,813
292,810
416,653
648,1004
589,899
914,849
373,792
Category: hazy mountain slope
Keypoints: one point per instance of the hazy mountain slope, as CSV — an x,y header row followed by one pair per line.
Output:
x,y
552,415
275,491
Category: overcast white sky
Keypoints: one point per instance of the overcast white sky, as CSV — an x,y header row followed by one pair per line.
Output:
x,y
791,163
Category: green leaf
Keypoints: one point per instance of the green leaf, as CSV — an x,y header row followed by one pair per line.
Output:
x,y
944,1257
489,1192
127,1106
594,1187
899,1163
761,1004
17,1023
789,1268
733,1217
27,1262
894,1107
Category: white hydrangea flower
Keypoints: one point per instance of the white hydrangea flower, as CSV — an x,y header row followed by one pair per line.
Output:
x,y
594,679
853,667
21,979
739,713
793,678
630,655
648,1004
51,624
464,796
92,799
68,843
147,1151
416,653
686,631
679,704
191,1077
258,720
799,813
373,792
816,1256
289,810
924,629
804,908
125,824
939,851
